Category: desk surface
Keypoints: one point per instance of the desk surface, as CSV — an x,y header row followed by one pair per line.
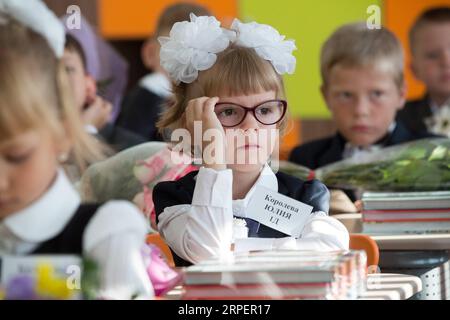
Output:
x,y
353,223
380,286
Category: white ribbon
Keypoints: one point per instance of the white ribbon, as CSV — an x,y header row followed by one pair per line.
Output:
x,y
35,15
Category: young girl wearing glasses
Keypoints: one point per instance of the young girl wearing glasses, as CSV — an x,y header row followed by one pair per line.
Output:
x,y
228,82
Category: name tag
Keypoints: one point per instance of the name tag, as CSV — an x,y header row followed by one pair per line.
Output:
x,y
278,211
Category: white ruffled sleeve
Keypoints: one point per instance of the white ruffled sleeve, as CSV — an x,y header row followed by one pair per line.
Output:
x,y
114,239
321,233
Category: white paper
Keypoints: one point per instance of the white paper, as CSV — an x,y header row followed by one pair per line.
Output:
x,y
278,211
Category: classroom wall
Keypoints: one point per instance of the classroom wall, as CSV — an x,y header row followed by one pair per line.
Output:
x,y
121,19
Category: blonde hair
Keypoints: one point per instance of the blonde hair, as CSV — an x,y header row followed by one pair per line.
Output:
x,y
237,71
355,45
36,93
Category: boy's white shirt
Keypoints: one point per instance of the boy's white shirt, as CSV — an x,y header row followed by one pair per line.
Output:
x,y
439,113
91,129
157,83
113,237
434,107
204,229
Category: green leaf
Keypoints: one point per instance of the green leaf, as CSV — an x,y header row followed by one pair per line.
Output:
x,y
438,153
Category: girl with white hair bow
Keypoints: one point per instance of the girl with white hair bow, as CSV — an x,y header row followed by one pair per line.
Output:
x,y
230,101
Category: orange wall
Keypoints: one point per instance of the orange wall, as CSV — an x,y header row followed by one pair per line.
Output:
x,y
137,18
399,17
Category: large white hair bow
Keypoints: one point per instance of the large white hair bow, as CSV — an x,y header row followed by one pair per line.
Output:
x,y
268,44
35,15
192,47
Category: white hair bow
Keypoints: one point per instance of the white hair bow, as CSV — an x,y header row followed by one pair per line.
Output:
x,y
193,46
35,15
268,44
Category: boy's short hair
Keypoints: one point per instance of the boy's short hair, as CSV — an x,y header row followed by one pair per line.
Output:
x,y
176,13
432,15
355,45
73,45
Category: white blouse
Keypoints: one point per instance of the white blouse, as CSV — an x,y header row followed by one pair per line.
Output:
x,y
113,237
204,229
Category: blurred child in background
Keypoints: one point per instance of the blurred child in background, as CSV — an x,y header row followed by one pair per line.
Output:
x,y
95,111
429,40
143,105
40,129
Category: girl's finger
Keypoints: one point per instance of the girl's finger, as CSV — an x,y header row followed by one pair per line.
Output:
x,y
189,115
210,104
193,112
198,107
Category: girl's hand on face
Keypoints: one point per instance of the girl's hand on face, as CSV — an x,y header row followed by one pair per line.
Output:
x,y
201,110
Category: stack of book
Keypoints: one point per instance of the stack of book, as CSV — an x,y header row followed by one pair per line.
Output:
x,y
279,275
406,212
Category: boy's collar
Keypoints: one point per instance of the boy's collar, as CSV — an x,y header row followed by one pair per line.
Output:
x,y
158,83
434,107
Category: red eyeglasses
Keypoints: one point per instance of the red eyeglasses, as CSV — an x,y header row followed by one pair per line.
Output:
x,y
267,113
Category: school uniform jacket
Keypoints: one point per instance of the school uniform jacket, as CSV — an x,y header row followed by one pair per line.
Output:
x,y
119,138
195,216
143,105
111,234
324,151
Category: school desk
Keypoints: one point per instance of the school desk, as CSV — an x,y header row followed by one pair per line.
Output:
x,y
423,255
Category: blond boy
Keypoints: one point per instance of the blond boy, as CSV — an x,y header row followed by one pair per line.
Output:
x,y
363,87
